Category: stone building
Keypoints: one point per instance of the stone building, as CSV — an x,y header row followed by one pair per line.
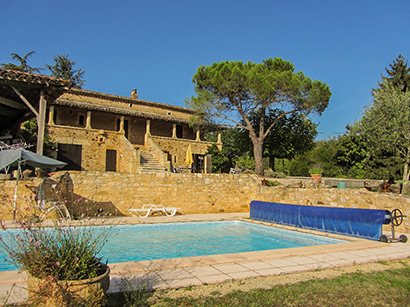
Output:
x,y
102,132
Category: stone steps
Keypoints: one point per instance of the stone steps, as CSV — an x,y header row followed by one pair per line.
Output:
x,y
149,164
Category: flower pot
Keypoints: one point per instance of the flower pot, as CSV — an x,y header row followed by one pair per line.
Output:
x,y
316,178
49,292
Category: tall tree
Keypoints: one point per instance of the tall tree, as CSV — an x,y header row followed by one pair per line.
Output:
x,y
232,149
23,66
398,75
63,68
386,123
232,91
292,134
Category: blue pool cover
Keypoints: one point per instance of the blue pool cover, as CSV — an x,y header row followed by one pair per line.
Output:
x,y
364,223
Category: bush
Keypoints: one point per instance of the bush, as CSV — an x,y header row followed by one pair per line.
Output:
x,y
273,174
60,252
271,183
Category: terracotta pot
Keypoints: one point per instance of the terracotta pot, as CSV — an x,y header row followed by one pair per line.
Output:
x,y
64,293
316,178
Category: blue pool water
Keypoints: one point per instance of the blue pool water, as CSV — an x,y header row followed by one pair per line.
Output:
x,y
175,240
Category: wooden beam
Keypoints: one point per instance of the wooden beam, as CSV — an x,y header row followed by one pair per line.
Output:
x,y
11,104
25,100
41,122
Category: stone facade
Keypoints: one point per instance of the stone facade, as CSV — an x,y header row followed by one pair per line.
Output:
x,y
102,132
114,193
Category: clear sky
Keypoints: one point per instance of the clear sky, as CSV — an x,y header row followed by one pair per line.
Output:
x,y
157,45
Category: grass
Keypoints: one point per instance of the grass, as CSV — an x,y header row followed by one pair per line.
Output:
x,y
383,288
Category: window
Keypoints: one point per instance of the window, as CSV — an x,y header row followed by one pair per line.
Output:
x,y
180,130
81,120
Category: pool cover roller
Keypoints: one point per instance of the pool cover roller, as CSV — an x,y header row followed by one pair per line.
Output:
x,y
364,223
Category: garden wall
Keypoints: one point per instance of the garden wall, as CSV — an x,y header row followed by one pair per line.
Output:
x,y
108,193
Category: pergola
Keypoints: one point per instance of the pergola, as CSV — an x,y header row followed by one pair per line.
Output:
x,y
24,94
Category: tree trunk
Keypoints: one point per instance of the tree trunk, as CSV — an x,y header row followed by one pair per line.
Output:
x,y
272,163
257,154
406,188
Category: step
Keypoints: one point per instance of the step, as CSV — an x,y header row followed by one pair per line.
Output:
x,y
149,163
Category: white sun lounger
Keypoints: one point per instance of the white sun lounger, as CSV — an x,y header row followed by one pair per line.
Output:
x,y
146,210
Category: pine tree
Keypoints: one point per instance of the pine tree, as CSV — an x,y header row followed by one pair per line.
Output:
x,y
63,68
398,75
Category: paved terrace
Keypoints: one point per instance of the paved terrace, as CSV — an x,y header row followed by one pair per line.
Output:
x,y
183,272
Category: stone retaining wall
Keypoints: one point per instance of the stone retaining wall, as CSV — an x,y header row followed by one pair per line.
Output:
x,y
113,193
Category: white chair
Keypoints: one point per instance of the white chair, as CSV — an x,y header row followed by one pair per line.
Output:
x,y
146,210
47,206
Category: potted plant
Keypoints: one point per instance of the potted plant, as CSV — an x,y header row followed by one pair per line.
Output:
x,y
316,173
62,262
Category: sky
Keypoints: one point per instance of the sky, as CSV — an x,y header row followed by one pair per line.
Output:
x,y
157,46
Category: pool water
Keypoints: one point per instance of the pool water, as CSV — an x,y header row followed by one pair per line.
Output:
x,y
176,240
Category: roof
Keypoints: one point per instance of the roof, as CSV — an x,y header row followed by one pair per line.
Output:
x,y
95,101
12,107
127,100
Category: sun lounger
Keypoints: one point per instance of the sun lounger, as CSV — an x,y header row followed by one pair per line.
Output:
x,y
146,210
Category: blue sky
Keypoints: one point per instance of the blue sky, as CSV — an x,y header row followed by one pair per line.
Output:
x,y
157,45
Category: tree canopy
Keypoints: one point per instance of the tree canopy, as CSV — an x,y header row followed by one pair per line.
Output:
x,y
63,68
398,75
292,134
385,123
23,63
231,92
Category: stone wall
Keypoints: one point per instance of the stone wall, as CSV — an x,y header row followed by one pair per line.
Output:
x,y
114,193
95,144
178,148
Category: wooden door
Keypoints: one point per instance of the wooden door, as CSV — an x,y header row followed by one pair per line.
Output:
x,y
70,154
111,160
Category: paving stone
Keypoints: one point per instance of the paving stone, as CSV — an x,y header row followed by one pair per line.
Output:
x,y
203,271
230,268
271,271
257,265
213,279
243,275
174,274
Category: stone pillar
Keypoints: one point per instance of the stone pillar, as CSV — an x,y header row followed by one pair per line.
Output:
x,y
147,131
51,116
219,142
198,136
174,131
148,127
122,125
88,120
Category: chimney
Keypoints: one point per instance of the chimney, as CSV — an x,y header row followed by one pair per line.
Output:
x,y
134,94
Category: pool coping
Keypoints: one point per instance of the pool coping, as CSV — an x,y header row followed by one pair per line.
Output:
x,y
199,270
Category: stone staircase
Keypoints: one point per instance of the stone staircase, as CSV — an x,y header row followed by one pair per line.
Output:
x,y
149,164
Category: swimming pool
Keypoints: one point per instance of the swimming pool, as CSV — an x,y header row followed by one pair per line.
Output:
x,y
175,240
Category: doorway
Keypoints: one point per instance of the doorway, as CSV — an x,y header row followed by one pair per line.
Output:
x,y
111,160
70,154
